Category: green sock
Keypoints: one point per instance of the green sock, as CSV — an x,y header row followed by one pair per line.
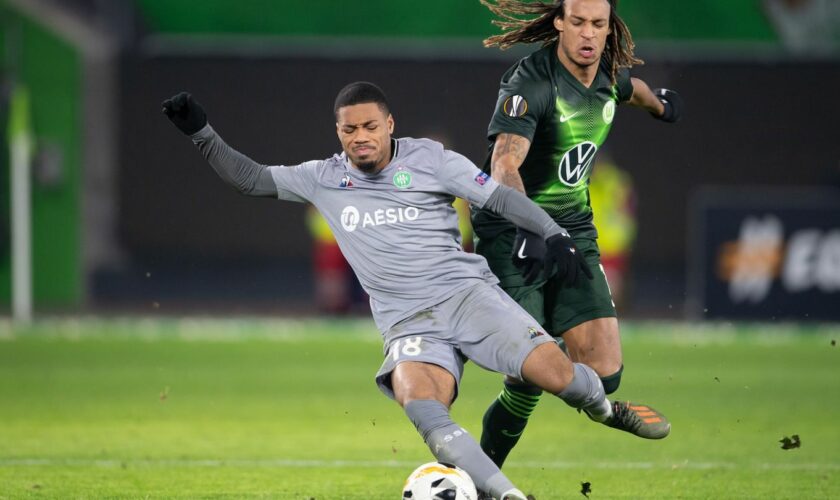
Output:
x,y
506,418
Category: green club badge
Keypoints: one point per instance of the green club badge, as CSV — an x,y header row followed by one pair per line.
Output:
x,y
609,111
402,179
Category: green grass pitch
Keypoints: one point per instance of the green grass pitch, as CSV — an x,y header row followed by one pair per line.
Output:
x,y
289,410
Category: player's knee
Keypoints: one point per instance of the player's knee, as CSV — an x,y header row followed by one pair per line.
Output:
x,y
422,381
405,394
554,377
611,382
547,368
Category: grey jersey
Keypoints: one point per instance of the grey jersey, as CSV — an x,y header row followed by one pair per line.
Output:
x,y
397,228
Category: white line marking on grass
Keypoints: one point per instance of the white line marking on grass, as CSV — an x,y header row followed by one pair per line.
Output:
x,y
370,464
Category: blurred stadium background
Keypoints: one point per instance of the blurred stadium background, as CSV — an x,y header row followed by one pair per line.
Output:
x,y
732,215
125,217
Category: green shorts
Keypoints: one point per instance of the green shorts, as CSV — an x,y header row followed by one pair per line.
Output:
x,y
556,308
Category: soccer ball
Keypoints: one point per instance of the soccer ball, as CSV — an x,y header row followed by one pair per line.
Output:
x,y
437,481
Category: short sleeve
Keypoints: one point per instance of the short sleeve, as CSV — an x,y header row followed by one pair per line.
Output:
x,y
623,85
521,104
296,183
461,178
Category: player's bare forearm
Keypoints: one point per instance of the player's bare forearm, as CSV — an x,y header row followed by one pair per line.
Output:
x,y
644,98
509,152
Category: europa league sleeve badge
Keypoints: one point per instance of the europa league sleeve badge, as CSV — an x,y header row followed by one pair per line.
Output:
x,y
515,106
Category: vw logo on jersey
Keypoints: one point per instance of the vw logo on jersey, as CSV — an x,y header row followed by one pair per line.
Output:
x,y
515,106
609,111
576,163
350,218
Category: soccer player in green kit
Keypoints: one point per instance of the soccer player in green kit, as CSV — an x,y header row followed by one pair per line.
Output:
x,y
555,109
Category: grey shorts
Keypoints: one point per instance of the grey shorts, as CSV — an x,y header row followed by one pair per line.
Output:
x,y
482,324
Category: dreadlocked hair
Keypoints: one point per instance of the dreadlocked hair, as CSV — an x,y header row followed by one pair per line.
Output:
x,y
540,29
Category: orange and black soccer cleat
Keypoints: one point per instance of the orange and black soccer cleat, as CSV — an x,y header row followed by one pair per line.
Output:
x,y
638,419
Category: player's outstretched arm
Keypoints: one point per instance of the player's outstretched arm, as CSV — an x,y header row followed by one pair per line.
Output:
x,y
551,247
663,104
244,174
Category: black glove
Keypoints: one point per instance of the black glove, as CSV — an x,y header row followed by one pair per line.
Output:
x,y
673,105
528,254
561,250
185,112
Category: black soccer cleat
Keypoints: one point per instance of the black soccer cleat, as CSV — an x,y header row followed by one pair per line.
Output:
x,y
640,420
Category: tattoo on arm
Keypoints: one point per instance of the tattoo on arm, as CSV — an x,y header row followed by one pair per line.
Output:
x,y
513,144
508,154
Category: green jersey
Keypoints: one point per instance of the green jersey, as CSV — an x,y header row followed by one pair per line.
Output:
x,y
566,122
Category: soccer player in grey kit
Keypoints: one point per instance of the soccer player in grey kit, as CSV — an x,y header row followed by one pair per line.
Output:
x,y
389,203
